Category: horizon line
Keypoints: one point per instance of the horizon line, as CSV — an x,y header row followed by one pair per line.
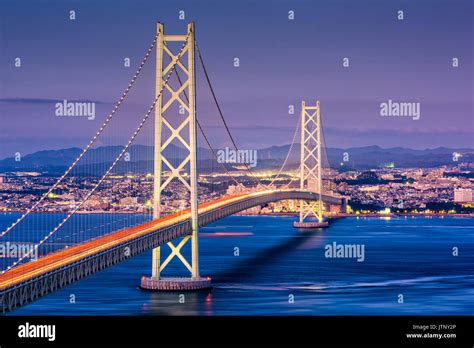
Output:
x,y
259,149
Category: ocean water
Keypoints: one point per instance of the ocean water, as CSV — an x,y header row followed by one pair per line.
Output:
x,y
261,265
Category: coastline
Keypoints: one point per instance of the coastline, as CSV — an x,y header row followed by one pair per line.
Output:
x,y
370,215
295,214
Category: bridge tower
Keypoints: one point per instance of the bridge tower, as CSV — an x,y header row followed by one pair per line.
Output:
x,y
311,166
172,126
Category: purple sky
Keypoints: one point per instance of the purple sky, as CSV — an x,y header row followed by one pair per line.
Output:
x,y
281,62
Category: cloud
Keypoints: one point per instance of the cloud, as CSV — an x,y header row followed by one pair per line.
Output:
x,y
36,101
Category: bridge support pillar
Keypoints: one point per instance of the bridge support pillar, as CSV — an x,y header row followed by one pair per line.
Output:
x,y
171,128
311,167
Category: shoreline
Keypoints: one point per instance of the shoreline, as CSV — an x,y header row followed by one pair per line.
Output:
x,y
369,215
332,216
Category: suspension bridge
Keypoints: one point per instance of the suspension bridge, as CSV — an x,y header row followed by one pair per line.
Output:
x,y
67,251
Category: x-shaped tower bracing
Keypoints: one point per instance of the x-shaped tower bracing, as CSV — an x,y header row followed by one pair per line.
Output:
x,y
310,161
167,130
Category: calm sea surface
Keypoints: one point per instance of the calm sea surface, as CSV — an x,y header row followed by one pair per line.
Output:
x,y
412,257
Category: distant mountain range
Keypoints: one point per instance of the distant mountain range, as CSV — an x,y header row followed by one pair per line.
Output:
x,y
140,158
370,157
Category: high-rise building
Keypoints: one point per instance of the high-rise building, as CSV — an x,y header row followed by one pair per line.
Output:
x,y
463,195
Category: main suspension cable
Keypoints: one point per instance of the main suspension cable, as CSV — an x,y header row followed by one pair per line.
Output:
x,y
204,134
117,159
220,112
92,141
288,153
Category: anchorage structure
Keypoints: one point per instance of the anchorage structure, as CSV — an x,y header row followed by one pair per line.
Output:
x,y
169,128
311,166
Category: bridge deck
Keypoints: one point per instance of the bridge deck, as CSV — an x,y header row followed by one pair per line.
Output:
x,y
66,256
33,279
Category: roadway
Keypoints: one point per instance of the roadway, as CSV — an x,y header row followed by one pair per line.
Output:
x,y
58,260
